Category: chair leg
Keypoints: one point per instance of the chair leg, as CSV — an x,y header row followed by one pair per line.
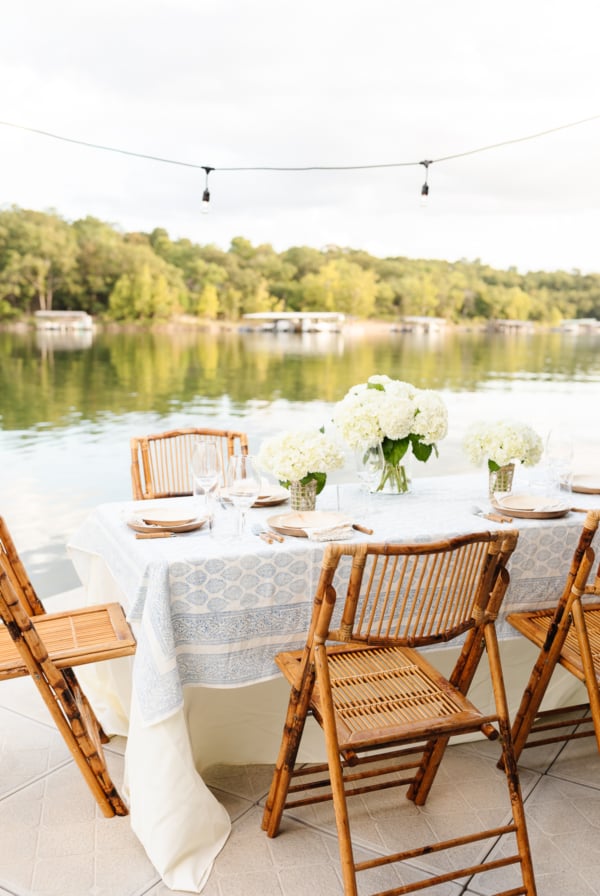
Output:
x,y
428,768
536,688
286,760
591,680
335,774
509,761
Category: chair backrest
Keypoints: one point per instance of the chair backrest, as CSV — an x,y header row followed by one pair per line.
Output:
x,y
160,464
17,574
577,582
415,594
590,527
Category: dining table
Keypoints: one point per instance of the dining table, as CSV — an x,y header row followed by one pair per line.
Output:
x,y
210,611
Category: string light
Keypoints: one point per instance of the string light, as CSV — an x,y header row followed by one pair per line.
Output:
x,y
206,194
208,169
425,187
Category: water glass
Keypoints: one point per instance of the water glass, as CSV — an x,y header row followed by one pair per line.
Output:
x,y
370,464
223,523
558,457
244,483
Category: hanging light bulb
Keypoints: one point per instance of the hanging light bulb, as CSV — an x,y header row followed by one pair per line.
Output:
x,y
425,187
206,194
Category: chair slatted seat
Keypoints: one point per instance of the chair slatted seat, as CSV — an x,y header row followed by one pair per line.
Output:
x,y
46,646
160,463
566,634
386,712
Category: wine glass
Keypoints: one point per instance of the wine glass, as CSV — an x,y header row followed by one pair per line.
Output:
x,y
370,464
244,483
206,469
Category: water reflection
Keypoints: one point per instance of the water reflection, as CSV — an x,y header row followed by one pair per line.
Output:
x,y
50,341
67,414
135,372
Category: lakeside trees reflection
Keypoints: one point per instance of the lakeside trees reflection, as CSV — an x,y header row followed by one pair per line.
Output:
x,y
125,372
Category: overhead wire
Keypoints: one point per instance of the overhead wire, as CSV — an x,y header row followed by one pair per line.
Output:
x,y
291,168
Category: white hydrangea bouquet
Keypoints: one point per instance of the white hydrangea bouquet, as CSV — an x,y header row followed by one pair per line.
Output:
x,y
300,456
502,444
396,415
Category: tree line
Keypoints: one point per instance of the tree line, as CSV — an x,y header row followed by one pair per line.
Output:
x,y
48,263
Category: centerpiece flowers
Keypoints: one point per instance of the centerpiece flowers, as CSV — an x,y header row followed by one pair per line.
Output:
x,y
396,415
502,444
300,460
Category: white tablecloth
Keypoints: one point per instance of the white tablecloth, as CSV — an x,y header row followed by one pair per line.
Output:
x,y
213,614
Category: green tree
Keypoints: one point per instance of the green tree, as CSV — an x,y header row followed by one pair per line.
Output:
x,y
38,253
343,286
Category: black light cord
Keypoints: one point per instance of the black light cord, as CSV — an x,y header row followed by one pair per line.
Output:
x,y
207,169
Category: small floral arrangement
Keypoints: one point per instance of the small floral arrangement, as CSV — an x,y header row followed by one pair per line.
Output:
x,y
299,456
395,414
502,444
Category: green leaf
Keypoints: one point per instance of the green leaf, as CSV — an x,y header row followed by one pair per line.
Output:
x,y
395,449
421,452
493,466
320,479
379,386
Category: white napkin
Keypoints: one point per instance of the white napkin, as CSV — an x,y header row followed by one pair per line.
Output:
x,y
330,533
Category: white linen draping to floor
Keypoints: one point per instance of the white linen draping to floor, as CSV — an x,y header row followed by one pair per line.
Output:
x,y
209,617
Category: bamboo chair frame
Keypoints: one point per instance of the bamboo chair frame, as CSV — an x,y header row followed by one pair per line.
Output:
x,y
46,646
160,463
567,634
379,700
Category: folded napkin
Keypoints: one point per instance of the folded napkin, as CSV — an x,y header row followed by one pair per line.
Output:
x,y
337,532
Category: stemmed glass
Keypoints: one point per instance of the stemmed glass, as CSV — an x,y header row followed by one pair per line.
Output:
x,y
559,459
243,485
370,464
206,469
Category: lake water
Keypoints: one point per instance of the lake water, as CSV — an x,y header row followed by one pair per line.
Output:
x,y
68,406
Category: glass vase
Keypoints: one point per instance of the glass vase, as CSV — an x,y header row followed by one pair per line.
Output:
x,y
501,480
303,496
394,480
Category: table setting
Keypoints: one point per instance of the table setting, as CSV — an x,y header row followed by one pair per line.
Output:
x,y
218,582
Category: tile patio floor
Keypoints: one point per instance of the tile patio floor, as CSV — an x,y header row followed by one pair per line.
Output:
x,y
55,842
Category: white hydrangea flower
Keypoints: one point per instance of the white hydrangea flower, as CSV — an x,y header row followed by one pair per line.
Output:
x,y
431,423
503,443
292,455
385,409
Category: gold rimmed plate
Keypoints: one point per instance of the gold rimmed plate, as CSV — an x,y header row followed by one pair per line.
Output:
x,y
297,522
587,484
532,507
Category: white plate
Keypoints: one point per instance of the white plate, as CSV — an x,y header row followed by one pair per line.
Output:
x,y
139,525
535,507
167,518
276,495
297,522
586,484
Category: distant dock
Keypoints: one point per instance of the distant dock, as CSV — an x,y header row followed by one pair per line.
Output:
x,y
63,320
297,321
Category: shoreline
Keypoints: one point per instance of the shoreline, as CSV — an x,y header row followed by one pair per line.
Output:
x,y
354,326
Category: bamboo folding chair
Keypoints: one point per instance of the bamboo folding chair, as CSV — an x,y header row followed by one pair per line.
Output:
x,y
46,646
378,699
160,464
567,634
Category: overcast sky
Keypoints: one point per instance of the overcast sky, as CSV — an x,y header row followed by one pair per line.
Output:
x,y
229,83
